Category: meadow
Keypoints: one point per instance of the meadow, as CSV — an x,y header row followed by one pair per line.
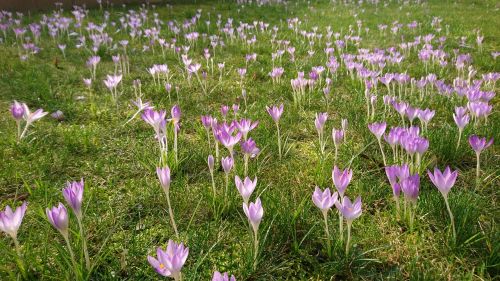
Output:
x,y
276,140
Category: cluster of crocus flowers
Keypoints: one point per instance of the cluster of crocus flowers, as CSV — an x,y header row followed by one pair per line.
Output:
x,y
407,140
20,112
222,277
169,262
253,210
111,83
324,200
58,217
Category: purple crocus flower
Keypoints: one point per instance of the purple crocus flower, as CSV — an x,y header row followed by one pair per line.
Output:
x,y
211,163
227,164
254,213
479,144
58,115
324,200
444,181
164,177
58,217
176,114
224,110
341,179
11,221
378,129
17,111
245,187
222,277
320,120
245,126
206,121
169,263
410,187
349,210
249,147
73,194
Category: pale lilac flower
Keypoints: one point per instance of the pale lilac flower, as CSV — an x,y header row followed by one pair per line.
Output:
x,y
245,187
350,211
227,164
378,129
11,221
211,163
410,187
169,263
254,213
479,144
58,217
73,194
164,177
17,110
444,181
275,112
324,200
341,179
222,277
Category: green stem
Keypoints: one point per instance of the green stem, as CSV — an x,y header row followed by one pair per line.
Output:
x,y
341,226
255,250
328,243
451,217
279,139
382,151
84,244
72,255
348,238
171,214
20,262
477,167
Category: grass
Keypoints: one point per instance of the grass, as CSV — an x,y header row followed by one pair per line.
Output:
x,y
125,211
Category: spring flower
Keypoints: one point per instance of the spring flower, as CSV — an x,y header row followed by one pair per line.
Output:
x,y
169,263
350,211
58,217
341,179
17,111
222,277
410,187
245,126
319,123
11,221
324,200
444,181
378,129
245,187
254,213
275,113
227,164
478,145
73,194
165,179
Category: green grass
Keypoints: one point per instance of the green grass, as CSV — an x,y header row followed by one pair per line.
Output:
x,y
126,214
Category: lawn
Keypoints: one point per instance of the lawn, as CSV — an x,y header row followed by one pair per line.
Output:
x,y
224,60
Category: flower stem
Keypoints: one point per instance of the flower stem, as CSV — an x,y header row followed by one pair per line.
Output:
x,y
279,139
167,193
382,151
451,217
255,249
341,226
84,244
20,261
328,243
348,238
72,255
477,167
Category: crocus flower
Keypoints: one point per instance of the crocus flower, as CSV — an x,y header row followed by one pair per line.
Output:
x,y
169,263
58,115
176,114
478,145
245,126
275,112
444,181
324,200
249,147
17,111
58,217
378,129
11,221
254,213
350,211
320,120
31,117
227,164
211,163
245,187
341,179
222,277
73,194
410,187
164,177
